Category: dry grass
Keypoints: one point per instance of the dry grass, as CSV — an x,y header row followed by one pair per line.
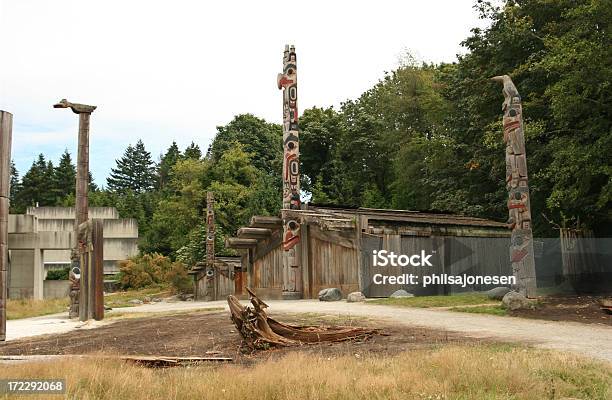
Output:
x,y
458,372
136,314
121,299
25,308
462,299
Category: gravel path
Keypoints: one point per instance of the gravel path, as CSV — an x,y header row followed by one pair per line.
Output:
x,y
590,340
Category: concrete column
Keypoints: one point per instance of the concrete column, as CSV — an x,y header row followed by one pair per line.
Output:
x,y
38,275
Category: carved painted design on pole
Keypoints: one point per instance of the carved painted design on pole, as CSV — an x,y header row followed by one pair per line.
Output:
x,y
6,132
287,82
519,208
210,247
81,204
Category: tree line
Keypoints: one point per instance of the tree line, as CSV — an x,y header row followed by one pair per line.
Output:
x,y
426,137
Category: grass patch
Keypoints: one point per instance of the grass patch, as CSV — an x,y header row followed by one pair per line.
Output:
x,y
491,310
26,308
462,299
449,373
136,314
121,299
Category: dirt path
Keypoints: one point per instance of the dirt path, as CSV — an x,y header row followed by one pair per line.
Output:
x,y
591,340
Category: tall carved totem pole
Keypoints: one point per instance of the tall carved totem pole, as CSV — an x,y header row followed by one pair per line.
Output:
x,y
287,82
210,247
78,291
519,208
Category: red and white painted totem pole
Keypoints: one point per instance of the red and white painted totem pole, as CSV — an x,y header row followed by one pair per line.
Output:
x,y
519,208
287,82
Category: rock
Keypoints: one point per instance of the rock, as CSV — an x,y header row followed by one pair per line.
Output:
x,y
186,297
156,300
134,301
146,299
107,308
498,293
401,293
515,301
355,297
330,294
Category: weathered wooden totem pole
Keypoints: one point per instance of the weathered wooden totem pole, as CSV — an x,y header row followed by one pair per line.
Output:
x,y
287,81
519,208
82,208
210,247
6,132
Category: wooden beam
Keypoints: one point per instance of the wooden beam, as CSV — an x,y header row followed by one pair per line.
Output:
x,y
258,221
254,233
239,243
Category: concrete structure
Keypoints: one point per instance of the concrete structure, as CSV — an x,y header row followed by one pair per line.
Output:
x,y
56,289
42,239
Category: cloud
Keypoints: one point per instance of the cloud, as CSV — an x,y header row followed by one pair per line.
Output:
x,y
174,70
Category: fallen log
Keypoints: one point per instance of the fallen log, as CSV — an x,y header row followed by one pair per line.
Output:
x,y
259,331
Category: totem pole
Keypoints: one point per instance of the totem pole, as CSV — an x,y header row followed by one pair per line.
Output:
x,y
287,81
210,247
6,132
82,210
519,208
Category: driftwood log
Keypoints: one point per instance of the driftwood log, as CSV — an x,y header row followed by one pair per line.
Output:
x,y
259,331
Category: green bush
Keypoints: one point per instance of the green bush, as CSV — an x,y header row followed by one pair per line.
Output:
x,y
58,274
142,271
154,269
180,279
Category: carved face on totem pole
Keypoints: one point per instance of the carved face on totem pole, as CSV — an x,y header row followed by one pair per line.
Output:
x,y
287,81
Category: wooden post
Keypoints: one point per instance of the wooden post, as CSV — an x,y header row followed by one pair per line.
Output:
x,y
211,278
91,252
519,207
81,205
6,132
287,81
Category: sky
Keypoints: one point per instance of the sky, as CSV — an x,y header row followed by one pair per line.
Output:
x,y
164,71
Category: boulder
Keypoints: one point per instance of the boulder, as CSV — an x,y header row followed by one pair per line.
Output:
x,y
330,294
355,297
401,293
135,301
498,293
515,301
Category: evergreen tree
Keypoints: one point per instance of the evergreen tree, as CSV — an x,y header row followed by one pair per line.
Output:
x,y
135,171
37,185
193,151
167,161
14,190
64,178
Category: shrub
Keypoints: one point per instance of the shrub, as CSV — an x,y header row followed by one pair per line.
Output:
x,y
154,269
180,279
58,274
142,271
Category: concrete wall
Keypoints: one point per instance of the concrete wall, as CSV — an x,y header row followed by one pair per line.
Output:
x,y
69,212
56,289
26,274
46,235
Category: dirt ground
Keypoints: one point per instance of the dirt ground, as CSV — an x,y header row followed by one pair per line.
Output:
x,y
583,309
213,334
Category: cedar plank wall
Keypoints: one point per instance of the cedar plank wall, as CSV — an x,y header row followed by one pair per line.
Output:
x,y
333,261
